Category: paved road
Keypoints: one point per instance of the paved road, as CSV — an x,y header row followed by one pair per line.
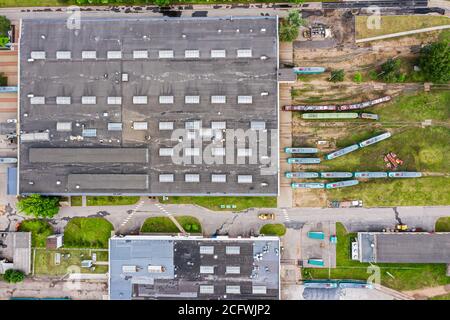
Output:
x,y
242,223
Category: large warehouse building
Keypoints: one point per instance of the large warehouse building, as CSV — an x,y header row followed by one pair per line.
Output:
x,y
180,267
141,106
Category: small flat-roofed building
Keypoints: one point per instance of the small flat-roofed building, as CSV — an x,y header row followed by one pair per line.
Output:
x,y
15,251
194,267
404,247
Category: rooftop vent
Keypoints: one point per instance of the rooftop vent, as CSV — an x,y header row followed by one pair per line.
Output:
x,y
218,99
165,125
191,54
139,99
218,53
165,54
192,99
62,100
192,177
165,99
245,178
166,177
114,55
244,53
63,55
245,99
89,54
140,54
218,178
88,100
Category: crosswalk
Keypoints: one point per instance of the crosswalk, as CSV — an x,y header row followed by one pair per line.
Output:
x,y
133,211
286,215
160,207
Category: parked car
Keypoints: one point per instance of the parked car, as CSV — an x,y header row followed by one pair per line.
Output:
x,y
11,121
266,216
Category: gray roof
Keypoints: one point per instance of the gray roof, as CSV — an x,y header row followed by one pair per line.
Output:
x,y
404,247
183,268
153,77
16,248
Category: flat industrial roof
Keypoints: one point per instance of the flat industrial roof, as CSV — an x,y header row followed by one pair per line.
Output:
x,y
404,247
179,267
16,248
157,61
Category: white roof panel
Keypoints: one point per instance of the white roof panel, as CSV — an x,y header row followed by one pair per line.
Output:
x,y
114,55
89,133
218,125
245,99
259,289
258,125
114,100
37,55
35,136
244,53
37,100
192,177
140,54
166,152
64,126
115,126
245,178
166,177
218,152
233,289
191,99
191,53
233,250
218,53
233,269
189,152
244,152
206,249
63,55
207,269
89,54
140,99
165,125
140,125
62,100
206,289
218,178
165,99
88,100
129,269
192,125
165,54
218,99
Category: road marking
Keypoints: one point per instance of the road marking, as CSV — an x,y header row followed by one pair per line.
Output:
x,y
286,215
133,211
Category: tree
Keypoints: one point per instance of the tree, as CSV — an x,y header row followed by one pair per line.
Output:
x,y
13,276
434,62
162,3
357,77
39,206
3,80
295,19
5,26
288,33
337,75
3,41
390,71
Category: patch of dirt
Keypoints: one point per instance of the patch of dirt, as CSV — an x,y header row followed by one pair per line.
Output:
x,y
309,198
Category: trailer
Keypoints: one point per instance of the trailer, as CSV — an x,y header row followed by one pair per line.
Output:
x,y
8,160
308,70
370,116
404,174
308,185
301,175
341,184
303,160
342,152
330,115
336,174
375,139
370,175
345,204
309,108
301,150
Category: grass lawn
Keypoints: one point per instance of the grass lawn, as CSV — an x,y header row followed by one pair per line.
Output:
x,y
394,24
111,200
40,230
442,225
44,261
87,233
76,201
406,276
273,229
443,297
190,224
159,225
215,203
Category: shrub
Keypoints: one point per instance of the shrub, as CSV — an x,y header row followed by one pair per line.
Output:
x,y
357,77
5,26
337,75
39,206
434,62
13,276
